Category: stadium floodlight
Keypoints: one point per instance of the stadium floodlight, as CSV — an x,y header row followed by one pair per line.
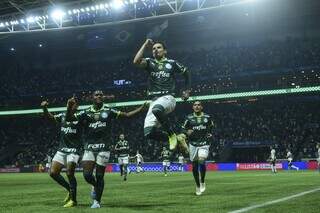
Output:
x,y
87,9
92,8
12,49
1,24
36,18
40,45
74,11
69,12
97,7
82,10
57,14
30,19
102,7
117,4
7,24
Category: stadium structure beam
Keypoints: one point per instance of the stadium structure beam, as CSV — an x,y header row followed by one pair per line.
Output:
x,y
165,8
225,96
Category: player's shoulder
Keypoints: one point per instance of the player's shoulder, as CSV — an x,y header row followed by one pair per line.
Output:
x,y
190,116
206,115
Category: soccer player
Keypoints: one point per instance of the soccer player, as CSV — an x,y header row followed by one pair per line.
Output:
x,y
318,159
139,162
181,162
165,155
122,147
290,158
273,160
68,152
198,127
97,121
161,73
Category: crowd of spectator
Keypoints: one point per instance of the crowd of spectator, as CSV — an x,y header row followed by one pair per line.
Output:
x,y
225,68
288,122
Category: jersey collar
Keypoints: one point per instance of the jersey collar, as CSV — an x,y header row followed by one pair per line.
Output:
x,y
161,61
195,115
92,109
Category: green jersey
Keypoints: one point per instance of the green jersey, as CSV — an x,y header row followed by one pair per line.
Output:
x,y
201,125
122,148
70,134
97,127
165,155
161,79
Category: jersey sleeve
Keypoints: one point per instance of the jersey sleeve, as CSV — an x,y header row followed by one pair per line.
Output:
x,y
179,68
58,117
186,125
114,113
147,68
82,116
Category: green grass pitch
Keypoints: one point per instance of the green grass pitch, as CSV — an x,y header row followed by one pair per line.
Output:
x,y
152,192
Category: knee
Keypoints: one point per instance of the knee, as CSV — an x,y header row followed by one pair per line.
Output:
x,y
70,174
87,175
54,173
158,110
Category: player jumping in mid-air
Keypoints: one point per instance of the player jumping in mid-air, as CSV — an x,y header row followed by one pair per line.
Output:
x,y
165,155
97,121
68,152
122,148
198,128
161,78
290,158
272,160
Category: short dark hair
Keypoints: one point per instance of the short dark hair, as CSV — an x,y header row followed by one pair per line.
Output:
x,y
162,43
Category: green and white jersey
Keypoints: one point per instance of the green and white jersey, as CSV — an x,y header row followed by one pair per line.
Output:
x,y
122,148
162,80
201,125
70,134
97,127
165,155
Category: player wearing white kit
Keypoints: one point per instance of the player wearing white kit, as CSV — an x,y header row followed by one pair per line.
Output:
x,y
318,159
290,159
181,162
273,159
139,161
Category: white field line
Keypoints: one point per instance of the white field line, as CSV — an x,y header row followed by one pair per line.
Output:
x,y
246,209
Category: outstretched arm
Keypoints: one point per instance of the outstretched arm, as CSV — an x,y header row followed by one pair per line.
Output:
x,y
133,112
138,59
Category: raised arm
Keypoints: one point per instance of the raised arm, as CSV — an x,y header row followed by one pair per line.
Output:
x,y
44,105
71,108
138,59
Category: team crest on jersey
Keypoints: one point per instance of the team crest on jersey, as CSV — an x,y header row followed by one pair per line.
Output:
x,y
160,67
96,116
104,115
205,120
168,66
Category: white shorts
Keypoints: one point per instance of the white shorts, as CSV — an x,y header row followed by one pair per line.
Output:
x,y
197,152
166,163
167,101
101,158
123,160
65,158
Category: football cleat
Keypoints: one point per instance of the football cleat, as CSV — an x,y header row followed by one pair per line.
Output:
x,y
95,205
173,141
202,187
70,203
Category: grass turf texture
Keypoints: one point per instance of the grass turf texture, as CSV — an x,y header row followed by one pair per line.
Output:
x,y
152,192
